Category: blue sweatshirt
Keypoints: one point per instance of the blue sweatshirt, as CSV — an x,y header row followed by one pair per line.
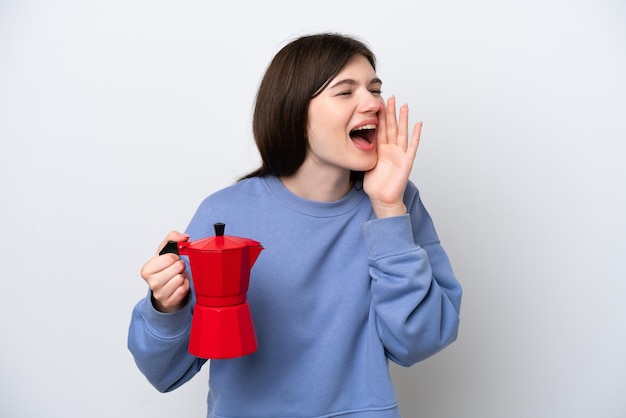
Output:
x,y
334,295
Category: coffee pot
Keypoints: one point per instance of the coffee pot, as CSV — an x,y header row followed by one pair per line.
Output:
x,y
221,326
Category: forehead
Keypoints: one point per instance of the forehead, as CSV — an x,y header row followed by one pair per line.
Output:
x,y
358,65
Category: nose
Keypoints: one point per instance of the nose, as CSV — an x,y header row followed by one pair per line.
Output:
x,y
370,102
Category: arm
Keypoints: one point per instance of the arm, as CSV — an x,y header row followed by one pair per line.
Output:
x,y
158,342
415,295
160,324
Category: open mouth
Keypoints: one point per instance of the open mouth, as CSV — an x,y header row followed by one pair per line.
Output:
x,y
364,135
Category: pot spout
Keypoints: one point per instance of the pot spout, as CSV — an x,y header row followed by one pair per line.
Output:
x,y
254,252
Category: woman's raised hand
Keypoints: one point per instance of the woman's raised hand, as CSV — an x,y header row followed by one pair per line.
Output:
x,y
386,182
167,278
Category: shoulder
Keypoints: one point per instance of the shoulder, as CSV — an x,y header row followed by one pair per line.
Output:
x,y
237,204
242,196
235,192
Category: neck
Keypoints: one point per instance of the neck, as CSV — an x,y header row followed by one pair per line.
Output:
x,y
319,185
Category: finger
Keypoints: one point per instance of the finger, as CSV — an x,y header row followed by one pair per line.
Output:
x,y
392,122
171,302
415,139
381,130
161,283
403,128
159,264
178,296
158,279
172,291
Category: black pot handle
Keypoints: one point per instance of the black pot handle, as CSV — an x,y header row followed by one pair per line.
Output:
x,y
170,247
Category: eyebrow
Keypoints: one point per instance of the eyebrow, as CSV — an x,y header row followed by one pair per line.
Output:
x,y
351,82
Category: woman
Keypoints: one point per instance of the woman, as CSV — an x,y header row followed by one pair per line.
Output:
x,y
353,273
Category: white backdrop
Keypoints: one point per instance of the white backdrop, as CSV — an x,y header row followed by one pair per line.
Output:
x,y
117,117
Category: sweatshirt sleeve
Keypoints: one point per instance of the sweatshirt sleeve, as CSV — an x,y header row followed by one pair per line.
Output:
x,y
415,296
158,342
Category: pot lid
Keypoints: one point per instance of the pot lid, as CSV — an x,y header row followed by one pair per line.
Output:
x,y
221,242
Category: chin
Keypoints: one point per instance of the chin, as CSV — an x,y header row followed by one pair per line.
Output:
x,y
365,166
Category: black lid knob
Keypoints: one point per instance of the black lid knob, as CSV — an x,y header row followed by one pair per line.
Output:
x,y
219,229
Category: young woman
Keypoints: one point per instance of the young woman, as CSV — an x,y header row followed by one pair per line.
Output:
x,y
352,274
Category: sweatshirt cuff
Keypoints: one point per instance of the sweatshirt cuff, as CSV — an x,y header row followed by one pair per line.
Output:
x,y
164,325
388,236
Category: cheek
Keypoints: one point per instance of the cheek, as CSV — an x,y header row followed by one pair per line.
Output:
x,y
315,141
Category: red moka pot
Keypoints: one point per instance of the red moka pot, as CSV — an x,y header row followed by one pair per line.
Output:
x,y
222,325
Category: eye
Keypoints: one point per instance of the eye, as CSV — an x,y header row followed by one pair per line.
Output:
x,y
345,93
376,92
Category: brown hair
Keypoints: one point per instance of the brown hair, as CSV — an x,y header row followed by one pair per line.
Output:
x,y
298,73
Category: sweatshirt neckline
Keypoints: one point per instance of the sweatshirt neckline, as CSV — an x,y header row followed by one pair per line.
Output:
x,y
311,207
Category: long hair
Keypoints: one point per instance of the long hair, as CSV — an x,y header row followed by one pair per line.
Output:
x,y
298,73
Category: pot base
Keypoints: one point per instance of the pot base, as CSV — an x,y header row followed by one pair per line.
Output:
x,y
222,332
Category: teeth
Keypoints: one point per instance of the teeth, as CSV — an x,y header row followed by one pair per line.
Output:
x,y
364,127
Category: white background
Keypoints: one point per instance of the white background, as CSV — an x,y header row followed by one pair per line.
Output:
x,y
117,117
